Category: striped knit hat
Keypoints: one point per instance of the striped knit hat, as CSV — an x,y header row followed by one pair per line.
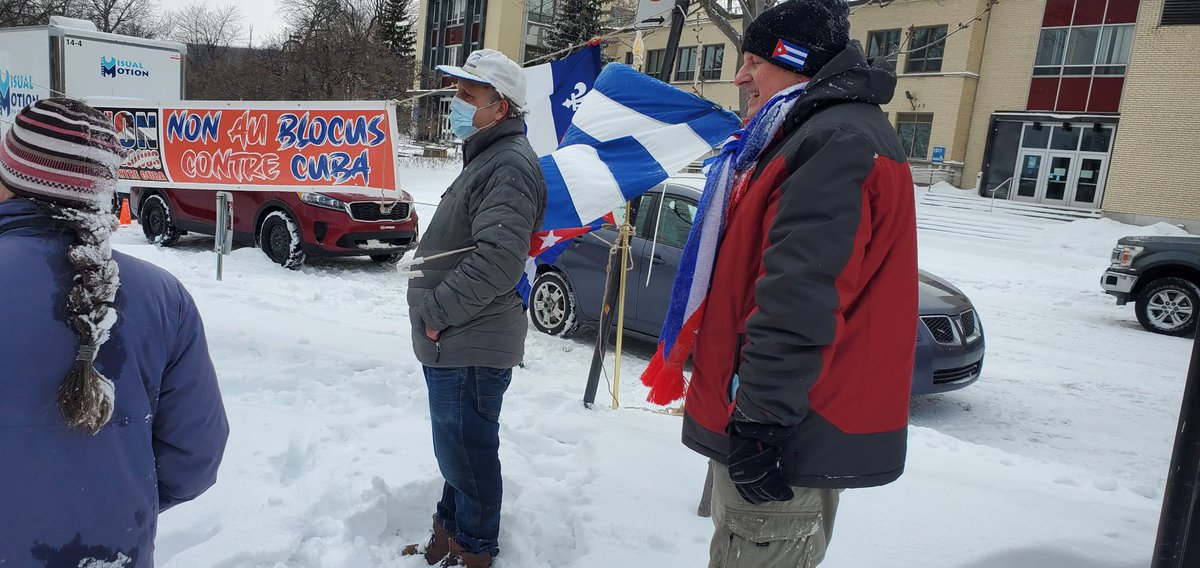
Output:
x,y
62,151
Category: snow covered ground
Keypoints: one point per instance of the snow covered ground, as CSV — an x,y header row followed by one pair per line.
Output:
x,y
1056,458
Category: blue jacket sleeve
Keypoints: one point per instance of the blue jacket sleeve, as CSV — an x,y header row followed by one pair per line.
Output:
x,y
190,427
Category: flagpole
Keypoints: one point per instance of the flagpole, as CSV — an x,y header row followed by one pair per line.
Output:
x,y
626,231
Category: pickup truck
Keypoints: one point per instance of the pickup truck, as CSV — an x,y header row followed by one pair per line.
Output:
x,y
1161,275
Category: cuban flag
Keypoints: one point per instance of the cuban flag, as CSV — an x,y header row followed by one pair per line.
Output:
x,y
630,133
547,246
790,53
554,91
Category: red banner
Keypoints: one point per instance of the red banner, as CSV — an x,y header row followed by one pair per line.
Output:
x,y
253,146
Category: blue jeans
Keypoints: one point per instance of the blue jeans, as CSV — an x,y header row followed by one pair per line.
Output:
x,y
464,405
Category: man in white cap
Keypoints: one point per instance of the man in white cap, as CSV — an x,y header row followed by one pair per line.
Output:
x,y
468,321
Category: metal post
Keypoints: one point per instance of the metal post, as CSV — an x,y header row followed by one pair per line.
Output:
x,y
223,244
677,17
992,204
1178,544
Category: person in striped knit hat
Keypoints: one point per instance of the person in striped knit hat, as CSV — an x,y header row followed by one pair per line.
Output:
x,y
111,410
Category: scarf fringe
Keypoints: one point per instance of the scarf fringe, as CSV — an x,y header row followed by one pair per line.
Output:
x,y
664,376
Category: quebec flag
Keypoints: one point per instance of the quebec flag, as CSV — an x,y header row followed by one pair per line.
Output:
x,y
554,92
630,133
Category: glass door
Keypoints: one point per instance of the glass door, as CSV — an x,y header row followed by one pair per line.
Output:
x,y
1059,179
1028,176
1089,182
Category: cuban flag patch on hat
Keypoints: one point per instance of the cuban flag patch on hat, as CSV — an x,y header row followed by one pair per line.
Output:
x,y
790,53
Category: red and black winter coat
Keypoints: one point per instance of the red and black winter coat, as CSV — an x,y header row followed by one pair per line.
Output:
x,y
813,300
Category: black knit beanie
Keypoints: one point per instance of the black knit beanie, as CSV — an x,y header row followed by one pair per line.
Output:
x,y
801,36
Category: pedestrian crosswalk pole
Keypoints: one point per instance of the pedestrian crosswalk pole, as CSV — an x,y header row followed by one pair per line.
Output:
x,y
1178,544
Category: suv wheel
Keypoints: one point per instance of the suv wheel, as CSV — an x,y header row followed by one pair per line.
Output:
x,y
553,308
1169,306
279,237
155,218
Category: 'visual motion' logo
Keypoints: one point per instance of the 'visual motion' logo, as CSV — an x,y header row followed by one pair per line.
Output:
x,y
113,67
13,92
4,101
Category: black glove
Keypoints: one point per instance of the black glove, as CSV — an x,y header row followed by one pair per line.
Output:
x,y
754,466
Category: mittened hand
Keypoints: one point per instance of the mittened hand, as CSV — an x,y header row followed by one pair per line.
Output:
x,y
754,461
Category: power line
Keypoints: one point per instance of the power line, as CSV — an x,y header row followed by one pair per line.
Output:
x,y
961,26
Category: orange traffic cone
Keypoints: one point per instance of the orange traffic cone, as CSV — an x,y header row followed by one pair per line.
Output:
x,y
126,218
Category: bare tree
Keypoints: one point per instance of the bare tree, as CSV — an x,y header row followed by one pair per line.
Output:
x,y
210,33
122,16
728,14
15,13
199,24
330,50
334,51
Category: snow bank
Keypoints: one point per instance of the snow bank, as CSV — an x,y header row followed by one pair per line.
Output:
x,y
1097,237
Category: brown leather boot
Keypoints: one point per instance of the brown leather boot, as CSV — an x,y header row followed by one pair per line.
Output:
x,y
468,559
438,547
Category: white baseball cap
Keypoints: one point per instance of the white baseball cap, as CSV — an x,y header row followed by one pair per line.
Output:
x,y
491,67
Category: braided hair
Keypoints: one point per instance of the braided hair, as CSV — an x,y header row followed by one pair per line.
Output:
x,y
86,396
63,155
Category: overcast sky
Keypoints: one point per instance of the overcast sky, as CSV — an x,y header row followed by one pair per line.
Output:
x,y
260,13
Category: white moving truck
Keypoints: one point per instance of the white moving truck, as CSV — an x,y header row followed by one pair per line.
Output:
x,y
70,58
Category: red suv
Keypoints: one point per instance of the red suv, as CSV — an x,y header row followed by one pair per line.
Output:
x,y
288,226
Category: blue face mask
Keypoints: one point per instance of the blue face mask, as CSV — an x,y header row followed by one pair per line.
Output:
x,y
462,118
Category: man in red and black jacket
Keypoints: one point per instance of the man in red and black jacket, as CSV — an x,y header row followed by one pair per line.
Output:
x,y
804,357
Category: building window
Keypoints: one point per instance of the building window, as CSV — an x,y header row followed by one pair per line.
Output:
x,y
914,130
540,11
1180,12
1113,54
654,61
927,45
451,57
686,69
629,58
1051,48
714,58
1084,51
458,12
883,43
1081,51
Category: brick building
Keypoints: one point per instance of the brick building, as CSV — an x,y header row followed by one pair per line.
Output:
x,y
446,35
1077,103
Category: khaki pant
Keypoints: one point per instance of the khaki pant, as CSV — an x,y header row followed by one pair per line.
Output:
x,y
792,534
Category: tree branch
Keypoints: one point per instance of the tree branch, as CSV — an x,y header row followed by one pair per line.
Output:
x,y
722,18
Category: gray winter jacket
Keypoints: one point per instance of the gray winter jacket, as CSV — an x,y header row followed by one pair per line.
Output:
x,y
495,205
